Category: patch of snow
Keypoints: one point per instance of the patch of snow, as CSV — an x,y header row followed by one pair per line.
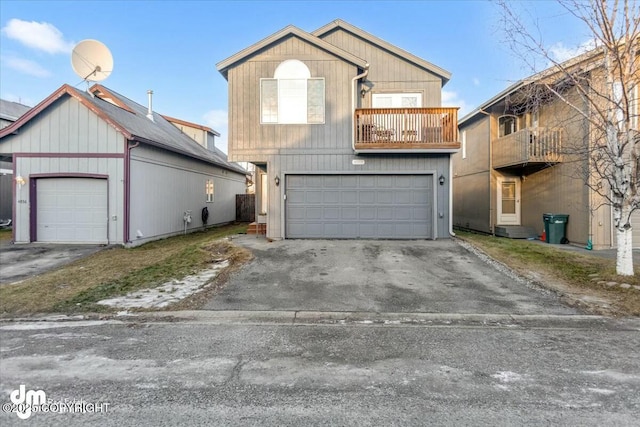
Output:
x,y
507,376
167,293
28,326
604,391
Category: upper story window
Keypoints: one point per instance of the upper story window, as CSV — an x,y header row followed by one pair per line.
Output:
x,y
292,96
507,125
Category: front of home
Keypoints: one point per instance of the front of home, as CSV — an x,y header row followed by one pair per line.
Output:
x,y
97,168
347,133
521,159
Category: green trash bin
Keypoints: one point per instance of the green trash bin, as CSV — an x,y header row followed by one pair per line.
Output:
x,y
555,227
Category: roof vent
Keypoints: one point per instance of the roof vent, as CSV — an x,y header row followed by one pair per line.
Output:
x,y
150,110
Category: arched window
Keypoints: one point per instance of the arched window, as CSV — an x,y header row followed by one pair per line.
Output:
x,y
292,96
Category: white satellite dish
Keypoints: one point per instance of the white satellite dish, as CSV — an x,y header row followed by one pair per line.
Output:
x,y
91,60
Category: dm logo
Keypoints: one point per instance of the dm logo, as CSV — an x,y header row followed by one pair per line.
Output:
x,y
25,400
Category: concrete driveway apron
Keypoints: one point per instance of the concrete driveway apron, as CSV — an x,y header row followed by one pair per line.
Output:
x,y
383,276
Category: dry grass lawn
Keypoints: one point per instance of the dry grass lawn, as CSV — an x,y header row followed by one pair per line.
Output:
x,y
117,271
573,275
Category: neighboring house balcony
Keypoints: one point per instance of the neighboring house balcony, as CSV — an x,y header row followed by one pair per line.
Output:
x,y
530,149
406,129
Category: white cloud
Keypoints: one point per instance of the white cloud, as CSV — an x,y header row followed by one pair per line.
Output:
x,y
26,66
476,81
38,35
451,99
560,53
218,120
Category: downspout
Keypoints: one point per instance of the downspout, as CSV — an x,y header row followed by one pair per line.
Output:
x,y
480,110
353,104
127,190
451,233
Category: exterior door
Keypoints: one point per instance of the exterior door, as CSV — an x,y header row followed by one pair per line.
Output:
x,y
508,201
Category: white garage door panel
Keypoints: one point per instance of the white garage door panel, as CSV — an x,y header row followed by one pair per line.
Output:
x,y
72,210
359,206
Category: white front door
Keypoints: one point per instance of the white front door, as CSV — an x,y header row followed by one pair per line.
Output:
x,y
508,201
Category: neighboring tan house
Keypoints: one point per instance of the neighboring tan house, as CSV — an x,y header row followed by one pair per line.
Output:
x,y
347,133
9,113
95,167
518,161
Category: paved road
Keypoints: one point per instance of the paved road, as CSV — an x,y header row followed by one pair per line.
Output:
x,y
339,333
237,370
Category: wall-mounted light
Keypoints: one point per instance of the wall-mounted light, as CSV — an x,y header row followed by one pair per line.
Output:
x,y
20,180
363,92
441,179
277,180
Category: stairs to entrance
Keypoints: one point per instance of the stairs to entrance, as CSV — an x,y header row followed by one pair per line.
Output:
x,y
255,228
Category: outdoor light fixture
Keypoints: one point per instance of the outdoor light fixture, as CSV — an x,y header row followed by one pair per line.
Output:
x,y
441,180
20,180
277,180
363,91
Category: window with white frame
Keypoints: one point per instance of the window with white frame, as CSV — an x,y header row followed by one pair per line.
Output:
x,y
292,96
208,190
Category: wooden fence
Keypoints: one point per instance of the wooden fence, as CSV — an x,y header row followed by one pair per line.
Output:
x,y
245,207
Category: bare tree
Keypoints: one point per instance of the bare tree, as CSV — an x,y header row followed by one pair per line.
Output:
x,y
606,81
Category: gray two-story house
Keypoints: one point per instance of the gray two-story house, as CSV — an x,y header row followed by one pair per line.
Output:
x,y
347,133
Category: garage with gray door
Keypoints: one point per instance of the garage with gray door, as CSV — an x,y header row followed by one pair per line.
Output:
x,y
359,206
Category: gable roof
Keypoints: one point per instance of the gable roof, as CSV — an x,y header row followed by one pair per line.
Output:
x,y
290,30
340,24
11,111
130,119
583,61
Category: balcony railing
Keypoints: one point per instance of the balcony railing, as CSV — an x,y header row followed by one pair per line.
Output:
x,y
540,146
406,128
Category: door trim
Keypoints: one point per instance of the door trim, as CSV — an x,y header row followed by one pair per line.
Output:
x,y
507,219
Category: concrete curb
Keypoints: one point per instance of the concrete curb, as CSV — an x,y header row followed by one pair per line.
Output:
x,y
336,318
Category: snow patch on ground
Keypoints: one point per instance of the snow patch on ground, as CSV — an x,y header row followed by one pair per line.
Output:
x,y
507,377
52,325
167,293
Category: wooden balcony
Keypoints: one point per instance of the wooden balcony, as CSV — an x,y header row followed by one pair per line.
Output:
x,y
528,148
406,129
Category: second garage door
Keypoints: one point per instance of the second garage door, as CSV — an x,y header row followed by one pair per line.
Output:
x,y
72,210
359,206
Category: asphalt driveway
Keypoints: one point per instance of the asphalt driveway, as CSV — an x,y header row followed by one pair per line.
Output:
x,y
22,261
420,276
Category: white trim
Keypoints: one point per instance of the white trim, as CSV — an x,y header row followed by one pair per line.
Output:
x,y
508,219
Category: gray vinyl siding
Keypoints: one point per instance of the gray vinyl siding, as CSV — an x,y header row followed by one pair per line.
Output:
x,y
472,177
388,71
342,163
165,185
66,126
251,141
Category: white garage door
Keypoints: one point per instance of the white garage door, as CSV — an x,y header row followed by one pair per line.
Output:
x,y
359,206
72,210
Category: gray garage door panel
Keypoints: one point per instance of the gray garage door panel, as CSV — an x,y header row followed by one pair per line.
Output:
x,y
359,206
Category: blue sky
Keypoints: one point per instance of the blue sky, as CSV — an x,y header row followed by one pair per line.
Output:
x,y
172,47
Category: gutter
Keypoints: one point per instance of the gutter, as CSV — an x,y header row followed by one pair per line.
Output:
x,y
353,104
